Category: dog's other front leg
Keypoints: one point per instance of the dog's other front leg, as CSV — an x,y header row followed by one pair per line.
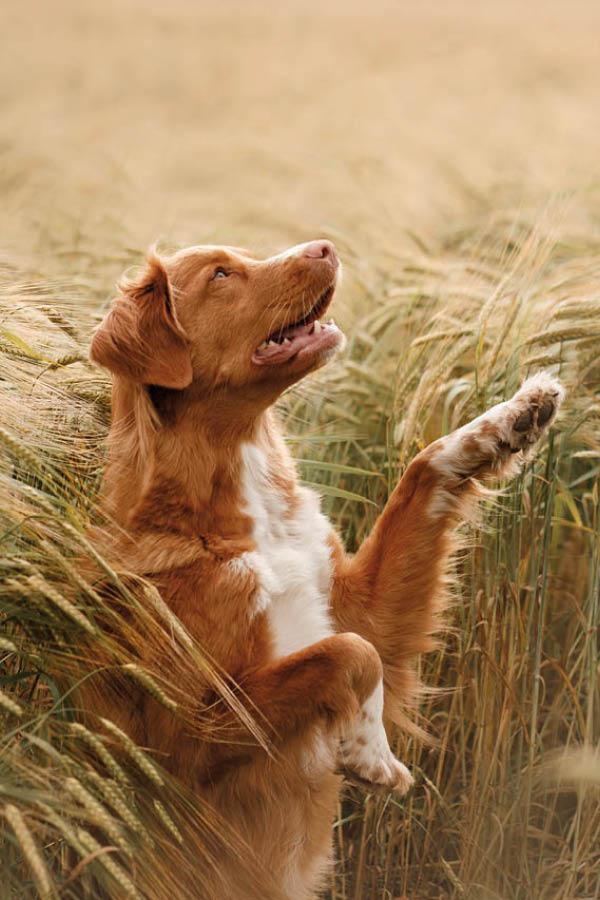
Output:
x,y
335,684
392,590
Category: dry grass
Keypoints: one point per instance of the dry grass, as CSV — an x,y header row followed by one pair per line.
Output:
x,y
451,151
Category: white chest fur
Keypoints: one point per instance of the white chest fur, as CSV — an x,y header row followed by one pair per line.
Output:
x,y
292,560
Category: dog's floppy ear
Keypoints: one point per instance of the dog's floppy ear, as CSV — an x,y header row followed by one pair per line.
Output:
x,y
140,338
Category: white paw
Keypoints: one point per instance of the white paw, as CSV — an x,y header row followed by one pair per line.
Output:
x,y
365,757
488,444
522,420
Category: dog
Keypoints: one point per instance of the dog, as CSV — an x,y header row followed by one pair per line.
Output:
x,y
206,504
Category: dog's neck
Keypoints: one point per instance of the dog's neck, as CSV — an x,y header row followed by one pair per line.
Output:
x,y
175,460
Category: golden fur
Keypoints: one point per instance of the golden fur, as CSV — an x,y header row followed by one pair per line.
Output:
x,y
190,394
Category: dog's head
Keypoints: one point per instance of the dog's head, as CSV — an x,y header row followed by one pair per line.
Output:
x,y
217,317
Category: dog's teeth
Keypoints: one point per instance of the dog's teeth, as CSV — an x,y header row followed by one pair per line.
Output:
x,y
286,341
317,327
264,345
271,343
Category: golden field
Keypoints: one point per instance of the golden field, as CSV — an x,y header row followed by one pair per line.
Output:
x,y
451,151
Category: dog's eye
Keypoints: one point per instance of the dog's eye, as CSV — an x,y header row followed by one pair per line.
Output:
x,y
220,272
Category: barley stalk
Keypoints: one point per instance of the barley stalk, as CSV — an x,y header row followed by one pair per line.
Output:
x,y
138,756
67,360
98,747
557,335
435,336
168,821
65,828
59,319
146,681
30,850
115,797
105,860
39,584
98,813
19,450
10,705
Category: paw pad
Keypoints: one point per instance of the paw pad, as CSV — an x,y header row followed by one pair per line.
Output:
x,y
545,412
534,405
524,422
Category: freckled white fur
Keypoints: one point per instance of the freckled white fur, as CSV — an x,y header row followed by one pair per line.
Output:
x,y
368,726
292,560
365,749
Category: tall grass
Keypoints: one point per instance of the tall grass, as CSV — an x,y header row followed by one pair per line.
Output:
x,y
515,685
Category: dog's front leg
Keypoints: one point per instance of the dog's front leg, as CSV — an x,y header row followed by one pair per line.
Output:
x,y
392,590
335,684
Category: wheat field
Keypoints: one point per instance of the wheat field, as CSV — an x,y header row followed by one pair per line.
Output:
x,y
450,149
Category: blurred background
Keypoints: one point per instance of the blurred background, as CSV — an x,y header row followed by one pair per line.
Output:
x,y
264,122
451,150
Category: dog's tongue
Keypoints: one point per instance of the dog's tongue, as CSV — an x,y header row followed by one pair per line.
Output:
x,y
295,340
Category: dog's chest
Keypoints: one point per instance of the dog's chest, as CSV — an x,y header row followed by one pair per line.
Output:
x,y
292,559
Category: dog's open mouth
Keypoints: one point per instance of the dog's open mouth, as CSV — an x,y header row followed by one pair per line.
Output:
x,y
302,337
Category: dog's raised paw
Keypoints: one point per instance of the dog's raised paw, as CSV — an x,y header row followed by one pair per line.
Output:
x,y
488,446
524,418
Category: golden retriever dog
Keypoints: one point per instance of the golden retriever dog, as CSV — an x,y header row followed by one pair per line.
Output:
x,y
206,505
